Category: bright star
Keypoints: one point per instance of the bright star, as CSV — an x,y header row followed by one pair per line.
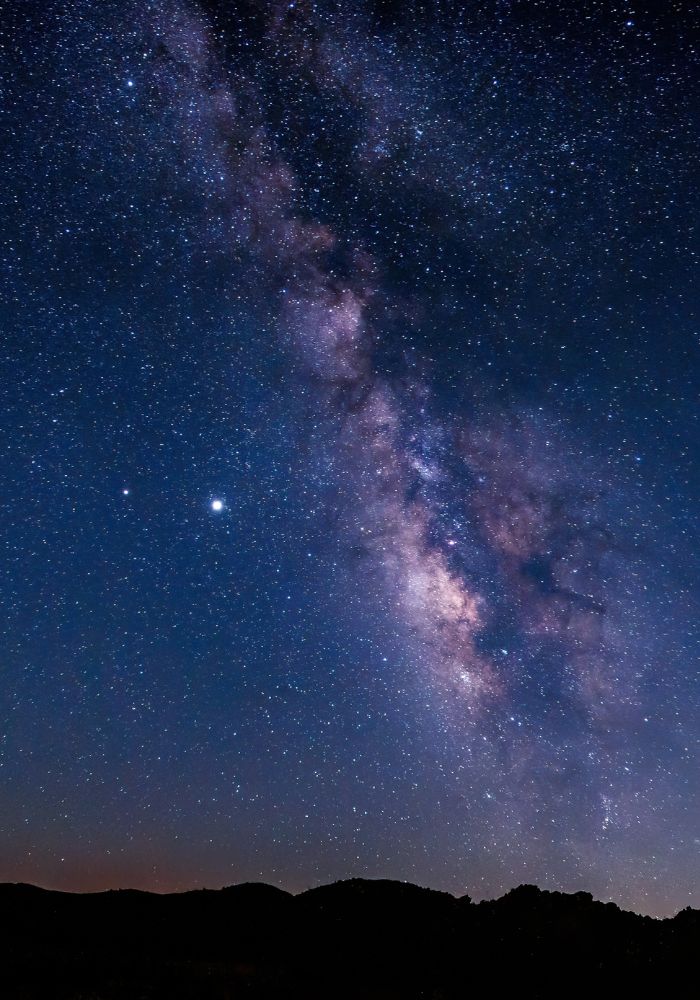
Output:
x,y
217,505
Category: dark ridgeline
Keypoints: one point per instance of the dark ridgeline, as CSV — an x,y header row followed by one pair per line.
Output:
x,y
360,939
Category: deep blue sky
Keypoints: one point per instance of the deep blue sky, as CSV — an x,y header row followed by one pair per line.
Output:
x,y
410,291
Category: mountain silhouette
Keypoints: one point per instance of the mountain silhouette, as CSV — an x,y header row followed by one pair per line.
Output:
x,y
357,938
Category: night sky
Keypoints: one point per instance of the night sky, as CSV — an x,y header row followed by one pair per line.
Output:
x,y
348,493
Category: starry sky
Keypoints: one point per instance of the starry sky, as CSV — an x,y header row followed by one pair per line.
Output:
x,y
348,503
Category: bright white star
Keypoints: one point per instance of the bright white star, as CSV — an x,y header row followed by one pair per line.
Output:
x,y
217,505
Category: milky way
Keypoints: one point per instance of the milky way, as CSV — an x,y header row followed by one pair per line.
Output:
x,y
387,313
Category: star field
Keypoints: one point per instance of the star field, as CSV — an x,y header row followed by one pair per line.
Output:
x,y
349,481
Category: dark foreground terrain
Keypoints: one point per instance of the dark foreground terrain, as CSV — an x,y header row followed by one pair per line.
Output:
x,y
365,939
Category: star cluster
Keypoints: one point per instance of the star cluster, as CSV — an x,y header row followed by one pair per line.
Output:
x,y
349,412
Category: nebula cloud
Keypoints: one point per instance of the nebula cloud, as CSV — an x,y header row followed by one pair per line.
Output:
x,y
481,529
527,503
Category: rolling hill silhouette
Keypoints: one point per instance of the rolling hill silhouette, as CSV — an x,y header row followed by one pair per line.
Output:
x,y
357,938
